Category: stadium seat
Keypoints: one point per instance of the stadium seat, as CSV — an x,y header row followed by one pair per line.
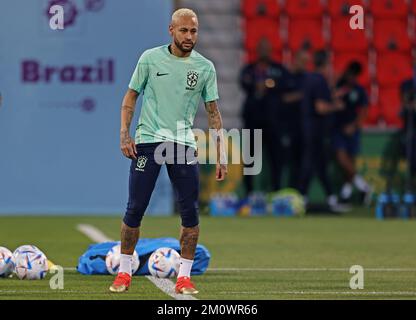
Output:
x,y
414,7
342,7
389,100
258,8
373,116
305,33
304,8
251,56
341,61
393,68
389,8
391,34
256,29
343,38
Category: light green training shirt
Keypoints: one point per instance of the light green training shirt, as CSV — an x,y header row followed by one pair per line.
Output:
x,y
172,88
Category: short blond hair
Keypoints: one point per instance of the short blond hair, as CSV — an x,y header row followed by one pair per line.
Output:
x,y
183,12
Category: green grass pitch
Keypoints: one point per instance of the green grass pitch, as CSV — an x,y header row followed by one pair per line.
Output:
x,y
252,257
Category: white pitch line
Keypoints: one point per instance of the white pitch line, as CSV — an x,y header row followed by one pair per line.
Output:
x,y
93,233
168,287
165,285
348,293
381,269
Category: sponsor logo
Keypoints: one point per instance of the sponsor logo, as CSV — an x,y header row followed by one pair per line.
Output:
x,y
161,74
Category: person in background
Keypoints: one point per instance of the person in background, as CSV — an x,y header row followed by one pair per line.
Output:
x,y
262,82
347,131
408,114
317,106
290,115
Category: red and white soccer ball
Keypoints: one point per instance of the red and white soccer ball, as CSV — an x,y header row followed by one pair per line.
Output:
x,y
164,263
112,260
6,262
30,263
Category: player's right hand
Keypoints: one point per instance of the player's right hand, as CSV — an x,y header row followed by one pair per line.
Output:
x,y
128,146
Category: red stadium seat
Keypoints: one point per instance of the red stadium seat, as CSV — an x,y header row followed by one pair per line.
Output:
x,y
251,56
259,28
341,61
414,7
373,116
393,68
305,33
258,8
304,8
342,7
343,38
391,34
389,8
389,100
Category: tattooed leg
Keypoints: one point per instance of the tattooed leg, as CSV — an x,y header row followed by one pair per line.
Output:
x,y
129,238
188,241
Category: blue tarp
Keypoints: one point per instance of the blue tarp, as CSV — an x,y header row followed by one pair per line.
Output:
x,y
93,260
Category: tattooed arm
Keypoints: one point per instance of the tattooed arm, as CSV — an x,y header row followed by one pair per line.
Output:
x,y
216,129
127,145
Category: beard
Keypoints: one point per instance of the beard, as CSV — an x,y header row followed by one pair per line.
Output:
x,y
181,46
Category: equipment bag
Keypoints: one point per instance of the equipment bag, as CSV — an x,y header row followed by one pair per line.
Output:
x,y
93,260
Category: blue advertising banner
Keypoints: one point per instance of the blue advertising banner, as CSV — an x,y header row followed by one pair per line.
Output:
x,y
61,96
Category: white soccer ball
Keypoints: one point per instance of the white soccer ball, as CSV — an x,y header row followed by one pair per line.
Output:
x,y
26,248
112,260
6,262
164,263
30,263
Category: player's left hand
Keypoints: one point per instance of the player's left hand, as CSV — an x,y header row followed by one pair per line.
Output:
x,y
221,172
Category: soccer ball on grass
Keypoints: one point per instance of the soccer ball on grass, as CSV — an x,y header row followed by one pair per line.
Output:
x,y
164,263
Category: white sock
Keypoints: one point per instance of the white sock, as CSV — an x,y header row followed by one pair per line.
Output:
x,y
185,268
346,190
332,200
360,183
125,263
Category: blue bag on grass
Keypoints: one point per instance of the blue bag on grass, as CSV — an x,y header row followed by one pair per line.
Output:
x,y
93,260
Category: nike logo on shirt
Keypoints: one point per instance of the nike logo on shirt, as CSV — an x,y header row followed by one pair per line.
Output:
x,y
161,74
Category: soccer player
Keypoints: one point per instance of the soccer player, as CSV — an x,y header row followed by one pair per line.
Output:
x,y
172,78
347,130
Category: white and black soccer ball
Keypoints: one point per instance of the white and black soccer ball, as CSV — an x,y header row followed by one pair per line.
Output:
x,y
6,262
30,263
164,263
112,260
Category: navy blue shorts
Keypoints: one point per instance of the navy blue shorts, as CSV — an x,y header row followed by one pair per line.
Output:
x,y
351,144
183,170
